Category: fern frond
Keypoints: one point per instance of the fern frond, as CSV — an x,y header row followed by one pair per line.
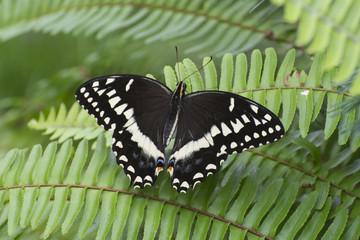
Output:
x,y
330,26
259,193
229,26
76,123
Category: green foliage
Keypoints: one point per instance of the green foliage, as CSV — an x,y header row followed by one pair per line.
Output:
x,y
289,55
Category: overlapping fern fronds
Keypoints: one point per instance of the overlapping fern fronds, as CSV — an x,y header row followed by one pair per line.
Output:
x,y
330,25
268,193
232,30
288,93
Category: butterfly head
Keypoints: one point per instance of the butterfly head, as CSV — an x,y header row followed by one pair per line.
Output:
x,y
179,91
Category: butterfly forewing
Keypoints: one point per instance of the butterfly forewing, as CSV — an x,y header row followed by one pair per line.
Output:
x,y
136,109
213,124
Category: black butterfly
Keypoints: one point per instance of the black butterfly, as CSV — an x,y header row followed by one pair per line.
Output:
x,y
144,114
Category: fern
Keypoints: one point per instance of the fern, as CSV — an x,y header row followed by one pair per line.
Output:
x,y
330,25
258,193
283,91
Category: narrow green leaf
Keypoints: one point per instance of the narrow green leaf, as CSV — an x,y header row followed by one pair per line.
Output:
x,y
337,227
279,212
218,229
355,88
241,68
224,196
15,209
185,224
298,218
107,213
168,217
97,160
292,11
170,78
323,188
245,198
353,231
314,151
305,105
316,70
346,171
255,70
2,197
195,77
273,98
268,75
316,223
121,215
152,218
262,206
6,163
28,205
41,205
77,197
285,68
289,107
333,115
201,228
12,176
237,233
27,171
136,217
349,61
60,198
227,71
62,158
318,103
90,210
73,176
43,166
335,50
210,74
307,28
346,122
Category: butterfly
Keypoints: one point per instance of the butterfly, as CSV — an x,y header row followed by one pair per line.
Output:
x,y
144,115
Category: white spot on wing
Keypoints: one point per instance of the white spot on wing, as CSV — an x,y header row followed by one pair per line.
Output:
x,y
86,94
124,159
94,104
210,166
100,92
237,126
232,104
247,138
119,144
256,135
185,184
138,179
82,90
176,180
245,118
148,178
254,108
90,99
95,84
112,92
128,113
119,110
233,145
131,169
209,139
127,88
110,80
278,128
263,133
225,129
113,101
198,175
107,120
267,117
214,131
256,122
271,130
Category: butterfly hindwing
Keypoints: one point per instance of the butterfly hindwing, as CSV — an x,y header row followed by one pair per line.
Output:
x,y
213,124
135,108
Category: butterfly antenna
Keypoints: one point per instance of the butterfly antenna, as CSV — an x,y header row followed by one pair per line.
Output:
x,y
211,58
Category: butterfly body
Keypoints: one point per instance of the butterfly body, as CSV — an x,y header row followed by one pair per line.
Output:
x,y
144,115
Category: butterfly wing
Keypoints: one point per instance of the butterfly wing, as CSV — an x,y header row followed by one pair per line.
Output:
x,y
213,124
136,109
